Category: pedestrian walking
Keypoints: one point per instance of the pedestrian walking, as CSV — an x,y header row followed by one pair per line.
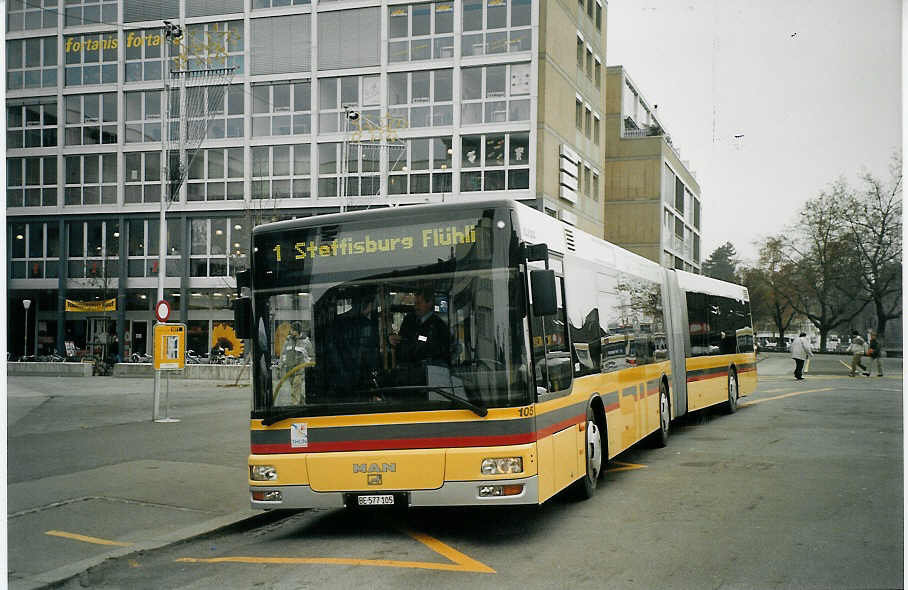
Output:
x,y
873,351
856,348
800,352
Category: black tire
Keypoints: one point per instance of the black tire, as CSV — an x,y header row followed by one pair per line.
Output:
x,y
731,406
585,487
659,439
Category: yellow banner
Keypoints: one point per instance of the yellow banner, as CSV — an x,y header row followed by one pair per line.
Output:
x,y
106,305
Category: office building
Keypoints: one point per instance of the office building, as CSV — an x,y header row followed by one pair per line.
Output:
x,y
332,104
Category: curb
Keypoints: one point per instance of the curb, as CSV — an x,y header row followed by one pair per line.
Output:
x,y
58,577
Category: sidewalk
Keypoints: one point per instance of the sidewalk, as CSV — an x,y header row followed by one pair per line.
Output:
x,y
90,476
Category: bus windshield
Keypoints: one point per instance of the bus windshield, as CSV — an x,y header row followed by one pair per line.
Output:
x,y
364,317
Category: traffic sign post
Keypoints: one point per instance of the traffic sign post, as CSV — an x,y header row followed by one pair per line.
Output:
x,y
169,351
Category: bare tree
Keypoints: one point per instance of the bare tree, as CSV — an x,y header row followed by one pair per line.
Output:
x,y
767,282
824,285
875,228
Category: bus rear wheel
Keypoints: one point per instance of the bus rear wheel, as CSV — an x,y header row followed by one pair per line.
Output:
x,y
731,406
586,486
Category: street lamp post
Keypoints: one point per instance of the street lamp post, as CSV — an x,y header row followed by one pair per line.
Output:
x,y
350,116
26,303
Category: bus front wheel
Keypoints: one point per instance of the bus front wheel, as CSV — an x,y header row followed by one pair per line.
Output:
x,y
731,406
586,486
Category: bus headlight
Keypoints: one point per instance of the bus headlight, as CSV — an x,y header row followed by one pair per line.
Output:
x,y
502,465
262,472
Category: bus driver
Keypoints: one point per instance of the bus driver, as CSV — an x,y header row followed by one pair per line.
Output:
x,y
423,335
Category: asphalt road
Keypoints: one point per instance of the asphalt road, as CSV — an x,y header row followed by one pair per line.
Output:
x,y
801,488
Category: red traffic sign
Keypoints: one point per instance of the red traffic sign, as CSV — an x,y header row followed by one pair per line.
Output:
x,y
162,310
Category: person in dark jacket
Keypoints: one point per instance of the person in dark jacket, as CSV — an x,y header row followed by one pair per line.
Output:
x,y
423,336
873,351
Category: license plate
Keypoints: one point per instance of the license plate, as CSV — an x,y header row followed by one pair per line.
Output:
x,y
375,500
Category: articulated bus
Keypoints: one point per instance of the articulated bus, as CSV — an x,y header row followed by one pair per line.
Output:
x,y
536,353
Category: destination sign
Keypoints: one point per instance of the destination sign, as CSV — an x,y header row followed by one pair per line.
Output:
x,y
367,248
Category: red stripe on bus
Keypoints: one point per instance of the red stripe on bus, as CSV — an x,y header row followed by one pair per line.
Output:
x,y
398,444
418,443
708,376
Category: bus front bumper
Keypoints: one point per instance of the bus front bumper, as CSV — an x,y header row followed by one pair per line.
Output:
x,y
451,493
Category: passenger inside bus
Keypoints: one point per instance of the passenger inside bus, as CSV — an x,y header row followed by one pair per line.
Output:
x,y
353,356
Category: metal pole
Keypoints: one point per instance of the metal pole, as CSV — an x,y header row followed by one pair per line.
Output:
x,y
168,31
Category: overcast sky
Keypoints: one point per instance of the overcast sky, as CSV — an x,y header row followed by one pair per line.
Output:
x,y
812,86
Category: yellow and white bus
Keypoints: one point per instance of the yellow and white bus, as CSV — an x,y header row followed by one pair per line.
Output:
x,y
477,353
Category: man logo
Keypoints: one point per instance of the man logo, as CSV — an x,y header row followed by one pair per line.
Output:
x,y
374,468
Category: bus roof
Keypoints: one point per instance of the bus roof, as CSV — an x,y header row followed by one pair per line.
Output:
x,y
711,286
382,213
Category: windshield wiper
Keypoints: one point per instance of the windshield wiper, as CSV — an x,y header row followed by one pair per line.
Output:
x,y
272,417
442,391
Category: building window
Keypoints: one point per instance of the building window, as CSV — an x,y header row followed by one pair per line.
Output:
x,y
421,99
597,74
213,45
91,59
27,15
94,248
589,63
495,26
91,179
143,116
668,184
696,213
90,12
91,119
257,4
281,171
142,248
596,129
580,49
31,63
35,250
360,93
423,166
31,182
361,177
595,186
209,239
498,161
144,55
33,124
143,177
598,16
679,195
495,94
588,122
421,31
578,114
281,108
215,174
223,110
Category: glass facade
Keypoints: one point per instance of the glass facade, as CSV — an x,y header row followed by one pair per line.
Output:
x,y
327,107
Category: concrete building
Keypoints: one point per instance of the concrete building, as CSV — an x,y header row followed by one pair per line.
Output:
x,y
333,104
652,199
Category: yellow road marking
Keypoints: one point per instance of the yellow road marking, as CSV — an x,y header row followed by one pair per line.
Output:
x,y
624,467
844,364
461,562
768,399
86,539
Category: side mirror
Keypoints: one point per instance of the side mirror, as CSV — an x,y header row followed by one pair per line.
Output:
x,y
542,285
536,252
242,317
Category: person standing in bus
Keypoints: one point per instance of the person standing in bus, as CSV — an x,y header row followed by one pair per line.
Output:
x,y
800,352
423,335
873,351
